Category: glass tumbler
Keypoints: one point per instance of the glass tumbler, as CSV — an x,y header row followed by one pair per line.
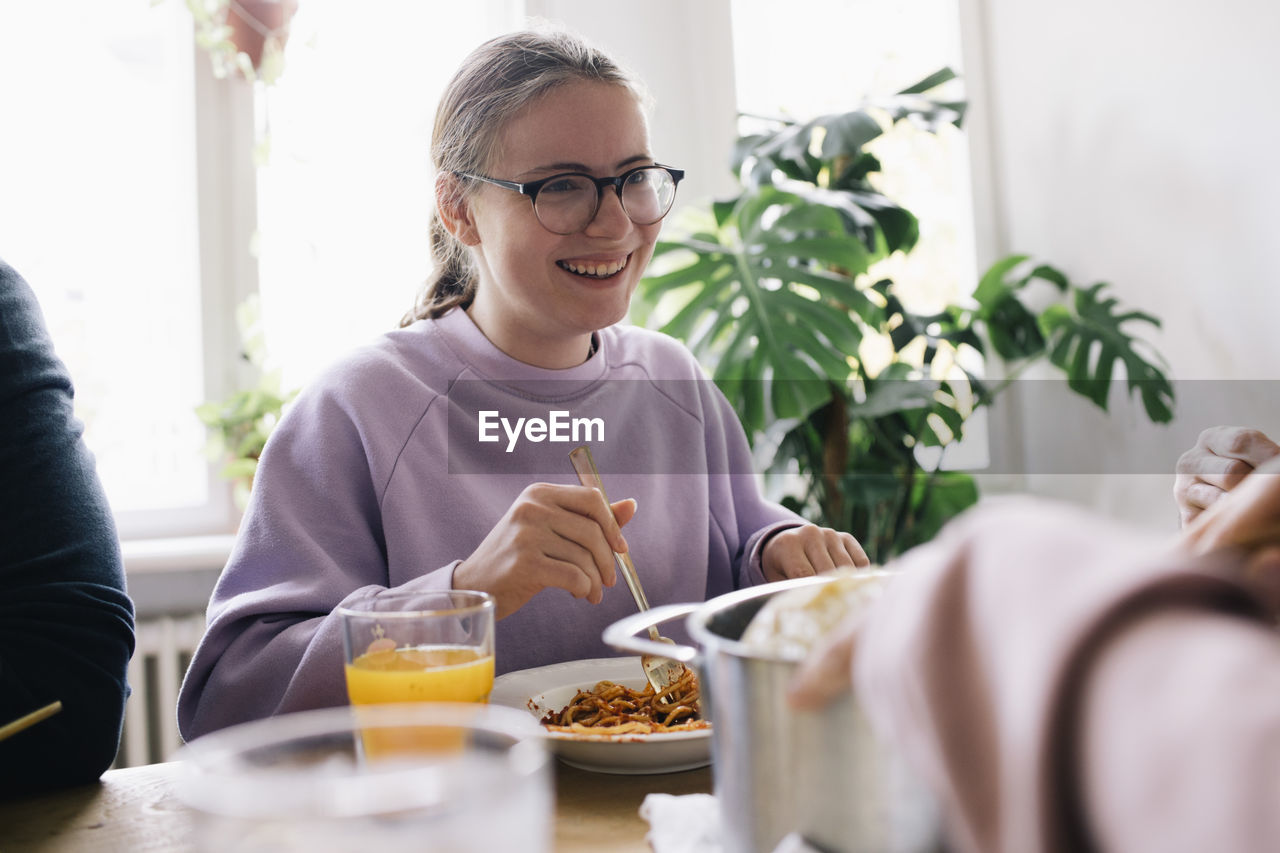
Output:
x,y
468,779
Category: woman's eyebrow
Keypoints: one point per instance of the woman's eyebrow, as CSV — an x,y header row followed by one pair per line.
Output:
x,y
582,167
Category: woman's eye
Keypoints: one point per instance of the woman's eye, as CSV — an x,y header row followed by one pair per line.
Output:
x,y
639,177
565,185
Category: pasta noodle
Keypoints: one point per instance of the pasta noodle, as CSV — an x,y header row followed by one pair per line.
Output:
x,y
611,709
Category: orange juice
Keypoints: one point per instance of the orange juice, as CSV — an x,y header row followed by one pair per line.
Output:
x,y
421,673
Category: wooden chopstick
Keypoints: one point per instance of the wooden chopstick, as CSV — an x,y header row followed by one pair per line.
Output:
x,y
30,719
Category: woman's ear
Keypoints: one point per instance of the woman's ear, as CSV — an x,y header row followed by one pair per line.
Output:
x,y
455,212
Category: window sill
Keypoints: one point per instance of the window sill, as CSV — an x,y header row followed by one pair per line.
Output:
x,y
174,575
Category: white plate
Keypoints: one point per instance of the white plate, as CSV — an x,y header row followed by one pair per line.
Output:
x,y
550,688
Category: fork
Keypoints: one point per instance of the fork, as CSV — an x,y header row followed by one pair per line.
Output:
x,y
661,672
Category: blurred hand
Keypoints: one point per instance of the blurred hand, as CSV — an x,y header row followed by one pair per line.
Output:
x,y
552,536
827,672
1247,518
809,550
1222,457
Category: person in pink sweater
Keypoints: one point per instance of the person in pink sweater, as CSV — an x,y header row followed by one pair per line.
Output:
x,y
1065,683
437,457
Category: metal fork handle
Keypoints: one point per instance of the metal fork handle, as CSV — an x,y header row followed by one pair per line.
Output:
x,y
588,476
629,575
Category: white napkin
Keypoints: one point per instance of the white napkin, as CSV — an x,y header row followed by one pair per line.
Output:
x,y
691,824
684,824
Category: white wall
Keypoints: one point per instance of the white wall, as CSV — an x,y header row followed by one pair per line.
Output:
x,y
1135,141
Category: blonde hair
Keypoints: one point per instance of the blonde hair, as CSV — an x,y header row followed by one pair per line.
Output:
x,y
494,83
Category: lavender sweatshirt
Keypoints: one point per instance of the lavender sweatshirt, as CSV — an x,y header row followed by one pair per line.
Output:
x,y
394,465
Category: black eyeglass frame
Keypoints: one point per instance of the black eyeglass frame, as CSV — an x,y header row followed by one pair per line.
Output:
x,y
532,188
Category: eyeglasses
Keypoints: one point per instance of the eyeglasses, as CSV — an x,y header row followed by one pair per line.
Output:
x,y
566,203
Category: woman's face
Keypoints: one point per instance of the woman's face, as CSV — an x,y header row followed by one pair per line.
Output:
x,y
541,295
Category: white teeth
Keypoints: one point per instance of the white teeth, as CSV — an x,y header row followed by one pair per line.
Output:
x,y
598,270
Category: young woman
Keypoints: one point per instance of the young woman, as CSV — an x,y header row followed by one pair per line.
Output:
x,y
438,456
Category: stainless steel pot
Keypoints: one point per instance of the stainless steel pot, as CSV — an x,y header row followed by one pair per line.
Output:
x,y
777,771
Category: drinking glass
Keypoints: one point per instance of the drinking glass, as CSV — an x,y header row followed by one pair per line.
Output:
x,y
471,778
413,647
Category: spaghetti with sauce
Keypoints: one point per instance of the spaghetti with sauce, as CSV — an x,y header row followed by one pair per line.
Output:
x,y
611,709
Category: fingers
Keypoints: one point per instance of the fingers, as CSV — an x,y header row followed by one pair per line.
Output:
x,y
1199,496
1195,497
1248,516
588,532
1248,445
1220,471
591,503
828,672
623,511
854,550
809,550
818,557
581,570
1222,457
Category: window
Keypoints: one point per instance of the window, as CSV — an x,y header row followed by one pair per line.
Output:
x,y
98,173
134,209
824,56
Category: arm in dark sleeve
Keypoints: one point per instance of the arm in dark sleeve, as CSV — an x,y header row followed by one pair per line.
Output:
x,y
66,622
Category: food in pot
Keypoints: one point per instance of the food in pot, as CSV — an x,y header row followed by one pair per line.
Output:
x,y
614,709
792,623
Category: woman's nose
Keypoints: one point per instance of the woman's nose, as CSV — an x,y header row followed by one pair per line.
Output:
x,y
610,219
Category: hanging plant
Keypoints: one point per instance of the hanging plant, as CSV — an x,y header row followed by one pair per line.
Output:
x,y
239,424
244,36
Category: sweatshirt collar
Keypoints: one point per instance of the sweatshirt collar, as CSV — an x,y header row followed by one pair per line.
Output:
x,y
479,353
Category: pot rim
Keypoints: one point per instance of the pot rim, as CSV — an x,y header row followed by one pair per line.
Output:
x,y
708,640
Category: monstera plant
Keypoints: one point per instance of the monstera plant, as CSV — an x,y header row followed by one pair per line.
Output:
x,y
776,292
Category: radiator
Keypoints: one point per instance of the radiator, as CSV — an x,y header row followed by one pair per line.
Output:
x,y
164,648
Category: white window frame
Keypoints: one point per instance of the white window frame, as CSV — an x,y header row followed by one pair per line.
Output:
x,y
226,220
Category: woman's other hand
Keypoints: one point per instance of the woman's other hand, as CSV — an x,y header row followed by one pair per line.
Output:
x,y
1221,458
552,536
798,552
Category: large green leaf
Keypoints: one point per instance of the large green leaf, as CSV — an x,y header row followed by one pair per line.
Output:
x,y
1086,344
773,286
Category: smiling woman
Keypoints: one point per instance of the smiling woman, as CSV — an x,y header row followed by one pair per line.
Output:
x,y
375,480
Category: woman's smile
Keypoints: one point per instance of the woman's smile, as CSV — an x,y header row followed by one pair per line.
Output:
x,y
595,268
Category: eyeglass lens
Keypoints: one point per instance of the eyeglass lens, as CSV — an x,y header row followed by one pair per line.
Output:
x,y
568,204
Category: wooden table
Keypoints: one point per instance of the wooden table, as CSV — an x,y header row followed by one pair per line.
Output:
x,y
135,809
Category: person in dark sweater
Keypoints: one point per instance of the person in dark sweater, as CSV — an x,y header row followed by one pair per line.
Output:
x,y
66,621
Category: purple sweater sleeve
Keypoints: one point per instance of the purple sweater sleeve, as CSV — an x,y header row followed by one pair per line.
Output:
x,y
756,518
1011,662
274,642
